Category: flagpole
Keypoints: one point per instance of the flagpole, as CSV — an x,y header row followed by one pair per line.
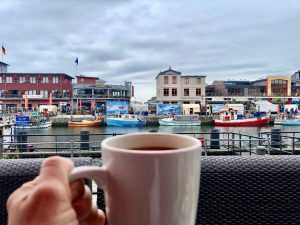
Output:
x,y
2,52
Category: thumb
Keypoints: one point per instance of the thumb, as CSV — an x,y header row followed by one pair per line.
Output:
x,y
56,169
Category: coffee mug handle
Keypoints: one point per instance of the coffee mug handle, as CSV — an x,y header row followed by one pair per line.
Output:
x,y
98,174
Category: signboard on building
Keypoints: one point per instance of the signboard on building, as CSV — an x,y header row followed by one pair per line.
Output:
x,y
117,107
217,108
33,96
165,109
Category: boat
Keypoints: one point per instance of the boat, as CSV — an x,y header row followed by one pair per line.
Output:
x,y
288,122
181,120
125,120
31,122
85,123
229,117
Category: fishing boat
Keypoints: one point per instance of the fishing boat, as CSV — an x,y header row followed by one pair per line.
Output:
x,y
31,122
125,120
85,123
181,120
288,122
229,117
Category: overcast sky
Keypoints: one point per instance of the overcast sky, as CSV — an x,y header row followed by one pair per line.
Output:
x,y
120,40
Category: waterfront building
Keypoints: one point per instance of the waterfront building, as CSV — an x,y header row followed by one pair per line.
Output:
x,y
296,79
89,89
272,88
3,67
39,88
174,88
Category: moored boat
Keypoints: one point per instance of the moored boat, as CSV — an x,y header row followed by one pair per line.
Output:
x,y
229,117
125,120
31,122
84,123
181,120
290,122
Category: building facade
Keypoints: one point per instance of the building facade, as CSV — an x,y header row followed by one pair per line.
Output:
x,y
38,87
271,88
172,87
88,89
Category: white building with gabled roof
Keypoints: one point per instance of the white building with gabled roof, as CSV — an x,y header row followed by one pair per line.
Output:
x,y
172,87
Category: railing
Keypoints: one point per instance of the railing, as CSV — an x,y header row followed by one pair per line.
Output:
x,y
21,96
23,145
282,142
34,145
100,96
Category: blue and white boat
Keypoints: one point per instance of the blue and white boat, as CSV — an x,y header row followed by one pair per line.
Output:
x,y
125,120
290,122
31,122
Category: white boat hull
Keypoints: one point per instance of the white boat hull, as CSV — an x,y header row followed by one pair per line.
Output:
x,y
172,122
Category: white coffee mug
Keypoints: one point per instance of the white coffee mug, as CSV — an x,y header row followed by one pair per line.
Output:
x,y
148,178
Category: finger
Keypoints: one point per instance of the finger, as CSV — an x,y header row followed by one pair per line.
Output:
x,y
20,194
77,189
83,205
56,169
96,217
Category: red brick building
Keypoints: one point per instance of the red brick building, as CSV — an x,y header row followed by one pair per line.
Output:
x,y
37,86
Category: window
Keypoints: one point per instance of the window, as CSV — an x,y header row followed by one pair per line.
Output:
x,y
8,79
186,92
197,102
22,79
174,80
173,102
186,102
45,80
30,92
44,93
198,91
198,80
166,79
55,80
186,80
165,102
0,79
32,79
166,92
174,91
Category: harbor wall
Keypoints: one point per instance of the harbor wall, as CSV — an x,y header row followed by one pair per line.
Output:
x,y
62,120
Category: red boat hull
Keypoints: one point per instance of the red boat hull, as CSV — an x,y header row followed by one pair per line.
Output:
x,y
243,122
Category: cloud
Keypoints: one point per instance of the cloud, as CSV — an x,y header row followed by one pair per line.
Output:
x,y
135,40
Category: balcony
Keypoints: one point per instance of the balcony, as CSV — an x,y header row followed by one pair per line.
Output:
x,y
20,97
11,96
89,96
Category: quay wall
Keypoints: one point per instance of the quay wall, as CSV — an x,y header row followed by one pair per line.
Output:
x,y
62,120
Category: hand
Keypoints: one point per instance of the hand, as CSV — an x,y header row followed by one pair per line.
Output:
x,y
50,200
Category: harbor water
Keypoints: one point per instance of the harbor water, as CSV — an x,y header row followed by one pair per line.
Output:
x,y
63,132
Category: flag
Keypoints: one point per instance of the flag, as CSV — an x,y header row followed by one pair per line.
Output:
x,y
3,51
76,60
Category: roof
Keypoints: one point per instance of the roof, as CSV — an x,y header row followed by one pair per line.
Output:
x,y
193,76
2,63
174,72
169,72
37,74
83,76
